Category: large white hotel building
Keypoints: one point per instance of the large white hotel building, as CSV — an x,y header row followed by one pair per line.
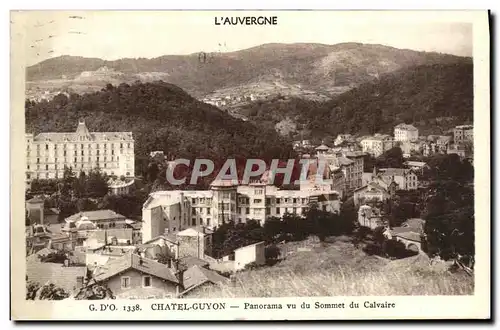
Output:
x,y
227,200
47,154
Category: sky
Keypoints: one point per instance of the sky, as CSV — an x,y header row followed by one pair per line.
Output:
x,y
112,35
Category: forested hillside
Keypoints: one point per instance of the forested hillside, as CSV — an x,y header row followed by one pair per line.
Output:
x,y
433,97
162,117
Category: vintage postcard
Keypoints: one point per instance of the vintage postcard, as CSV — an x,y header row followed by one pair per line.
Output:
x,y
250,165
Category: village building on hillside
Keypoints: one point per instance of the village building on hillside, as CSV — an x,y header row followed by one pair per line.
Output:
x,y
302,144
372,192
197,276
120,186
405,178
405,132
133,276
377,144
436,144
463,133
195,242
62,275
240,257
48,154
341,138
410,233
39,214
416,166
103,219
370,216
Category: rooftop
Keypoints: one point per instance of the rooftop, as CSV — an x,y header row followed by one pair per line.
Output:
x,y
464,127
58,274
95,216
406,127
82,130
322,147
133,261
196,276
393,171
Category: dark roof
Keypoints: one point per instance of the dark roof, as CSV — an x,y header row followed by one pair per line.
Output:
x,y
134,261
196,276
96,215
372,184
58,274
410,235
51,211
34,200
190,261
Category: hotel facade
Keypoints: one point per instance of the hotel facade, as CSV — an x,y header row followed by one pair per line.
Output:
x,y
227,200
47,154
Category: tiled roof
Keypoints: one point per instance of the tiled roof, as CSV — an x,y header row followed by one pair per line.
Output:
x,y
169,238
74,137
393,171
34,200
224,183
96,215
190,261
134,261
196,276
194,231
406,127
344,161
35,257
410,235
58,274
372,184
355,154
322,147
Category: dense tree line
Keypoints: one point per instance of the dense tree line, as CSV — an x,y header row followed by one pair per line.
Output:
x,y
433,97
86,192
290,227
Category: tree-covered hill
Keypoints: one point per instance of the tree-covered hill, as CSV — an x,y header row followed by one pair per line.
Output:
x,y
162,117
432,97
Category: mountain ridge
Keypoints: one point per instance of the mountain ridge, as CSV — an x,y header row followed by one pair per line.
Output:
x,y
316,66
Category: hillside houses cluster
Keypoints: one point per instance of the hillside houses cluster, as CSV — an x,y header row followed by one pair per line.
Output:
x,y
170,252
221,100
370,191
458,141
101,247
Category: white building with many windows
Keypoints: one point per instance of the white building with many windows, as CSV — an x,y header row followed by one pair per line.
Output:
x,y
47,154
405,132
227,200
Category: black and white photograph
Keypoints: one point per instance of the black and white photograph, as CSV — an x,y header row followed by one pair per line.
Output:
x,y
197,161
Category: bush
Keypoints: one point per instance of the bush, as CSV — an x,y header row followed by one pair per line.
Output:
x,y
272,253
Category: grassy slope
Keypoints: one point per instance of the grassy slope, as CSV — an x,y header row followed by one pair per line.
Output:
x,y
337,269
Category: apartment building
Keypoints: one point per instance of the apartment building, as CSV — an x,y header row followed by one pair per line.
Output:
x,y
405,178
463,133
227,200
405,132
377,144
47,154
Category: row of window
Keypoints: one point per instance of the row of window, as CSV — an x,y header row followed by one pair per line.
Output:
x,y
97,158
97,146
58,175
82,165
